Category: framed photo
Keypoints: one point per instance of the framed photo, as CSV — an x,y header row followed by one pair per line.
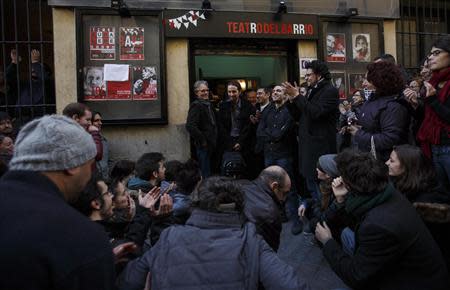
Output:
x,y
355,82
338,81
361,47
121,64
335,47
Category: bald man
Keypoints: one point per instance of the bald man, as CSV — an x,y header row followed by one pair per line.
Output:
x,y
264,198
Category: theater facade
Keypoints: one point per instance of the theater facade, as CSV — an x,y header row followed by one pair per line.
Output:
x,y
136,61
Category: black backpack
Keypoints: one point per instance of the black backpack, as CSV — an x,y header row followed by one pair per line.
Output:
x,y
233,165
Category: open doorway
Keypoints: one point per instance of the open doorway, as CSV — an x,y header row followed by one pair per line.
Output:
x,y
263,63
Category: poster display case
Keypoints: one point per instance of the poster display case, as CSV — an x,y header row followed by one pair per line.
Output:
x,y
120,66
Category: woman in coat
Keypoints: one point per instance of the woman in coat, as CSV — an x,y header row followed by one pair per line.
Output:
x,y
413,175
383,122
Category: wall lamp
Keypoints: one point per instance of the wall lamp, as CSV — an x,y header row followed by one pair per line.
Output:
x,y
206,5
120,6
282,8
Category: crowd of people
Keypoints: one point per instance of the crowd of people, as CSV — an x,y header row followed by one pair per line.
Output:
x,y
369,177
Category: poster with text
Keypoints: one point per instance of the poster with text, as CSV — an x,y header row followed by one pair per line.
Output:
x,y
118,90
93,85
131,42
335,45
145,84
338,81
303,62
361,47
102,43
356,81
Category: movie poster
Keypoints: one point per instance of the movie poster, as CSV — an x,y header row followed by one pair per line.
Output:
x,y
131,42
356,81
102,43
93,85
361,47
335,45
145,84
338,81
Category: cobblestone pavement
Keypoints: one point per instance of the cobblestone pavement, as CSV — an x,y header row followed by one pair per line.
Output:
x,y
303,254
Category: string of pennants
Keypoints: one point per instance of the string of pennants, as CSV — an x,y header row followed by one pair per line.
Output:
x,y
187,19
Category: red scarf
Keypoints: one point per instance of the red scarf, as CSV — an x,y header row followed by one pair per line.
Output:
x,y
430,130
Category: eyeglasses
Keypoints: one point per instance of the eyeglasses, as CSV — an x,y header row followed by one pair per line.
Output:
x,y
434,53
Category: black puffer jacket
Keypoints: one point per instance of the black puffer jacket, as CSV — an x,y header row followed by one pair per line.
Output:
x,y
212,251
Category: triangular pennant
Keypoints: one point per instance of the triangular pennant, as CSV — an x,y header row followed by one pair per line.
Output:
x,y
186,24
202,16
194,22
184,17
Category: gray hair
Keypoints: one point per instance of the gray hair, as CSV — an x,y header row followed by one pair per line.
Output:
x,y
197,84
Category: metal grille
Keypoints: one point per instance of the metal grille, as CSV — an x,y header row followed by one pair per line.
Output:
x,y
26,59
421,22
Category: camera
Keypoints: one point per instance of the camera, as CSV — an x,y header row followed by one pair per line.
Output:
x,y
423,92
352,121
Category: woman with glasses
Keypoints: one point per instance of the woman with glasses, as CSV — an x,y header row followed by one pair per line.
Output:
x,y
434,133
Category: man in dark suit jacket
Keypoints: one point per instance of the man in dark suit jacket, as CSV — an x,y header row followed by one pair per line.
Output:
x,y
318,113
235,132
202,126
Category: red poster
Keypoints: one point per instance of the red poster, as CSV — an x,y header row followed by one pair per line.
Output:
x,y
145,84
93,84
118,90
102,43
131,41
335,44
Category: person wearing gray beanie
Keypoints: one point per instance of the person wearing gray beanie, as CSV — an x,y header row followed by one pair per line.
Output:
x,y
59,248
52,143
327,165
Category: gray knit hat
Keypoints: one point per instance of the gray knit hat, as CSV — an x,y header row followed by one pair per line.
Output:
x,y
52,143
327,163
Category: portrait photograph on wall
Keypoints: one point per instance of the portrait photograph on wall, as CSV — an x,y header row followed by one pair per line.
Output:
x,y
356,81
338,81
335,46
361,47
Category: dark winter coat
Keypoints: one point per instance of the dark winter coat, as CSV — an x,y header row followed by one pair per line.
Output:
x,y
387,121
394,250
49,244
224,124
212,251
264,210
276,129
316,126
202,125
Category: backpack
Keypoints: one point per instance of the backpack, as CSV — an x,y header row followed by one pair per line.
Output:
x,y
233,164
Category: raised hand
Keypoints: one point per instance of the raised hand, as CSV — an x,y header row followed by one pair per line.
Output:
x,y
291,90
149,199
339,189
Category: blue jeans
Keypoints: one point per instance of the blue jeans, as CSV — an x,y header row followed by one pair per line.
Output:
x,y
441,161
348,241
292,199
204,162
